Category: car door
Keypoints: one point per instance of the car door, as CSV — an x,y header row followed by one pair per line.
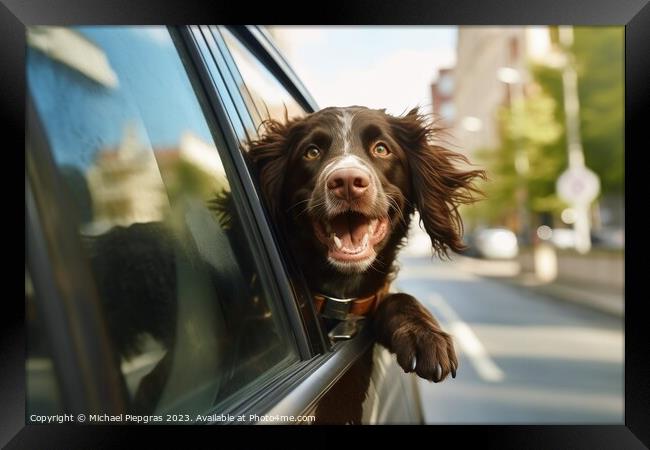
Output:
x,y
155,286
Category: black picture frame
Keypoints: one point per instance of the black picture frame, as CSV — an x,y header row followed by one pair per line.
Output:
x,y
633,14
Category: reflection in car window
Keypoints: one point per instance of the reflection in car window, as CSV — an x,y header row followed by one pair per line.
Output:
x,y
264,95
191,320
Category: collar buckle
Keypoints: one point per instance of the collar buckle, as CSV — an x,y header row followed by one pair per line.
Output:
x,y
336,308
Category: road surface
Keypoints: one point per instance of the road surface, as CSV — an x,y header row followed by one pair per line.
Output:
x,y
524,357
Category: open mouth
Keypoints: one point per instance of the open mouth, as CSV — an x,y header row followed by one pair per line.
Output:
x,y
351,236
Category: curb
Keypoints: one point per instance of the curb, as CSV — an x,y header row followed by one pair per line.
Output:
x,y
608,303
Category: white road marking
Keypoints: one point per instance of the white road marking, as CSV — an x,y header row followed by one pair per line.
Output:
x,y
469,342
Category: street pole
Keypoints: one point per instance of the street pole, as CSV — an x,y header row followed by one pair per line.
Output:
x,y
514,79
521,159
581,225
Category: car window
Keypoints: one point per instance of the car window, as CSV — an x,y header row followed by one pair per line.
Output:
x,y
264,95
192,319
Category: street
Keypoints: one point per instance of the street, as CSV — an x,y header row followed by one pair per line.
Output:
x,y
524,357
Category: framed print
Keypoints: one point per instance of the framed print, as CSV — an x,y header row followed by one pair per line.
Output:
x,y
220,221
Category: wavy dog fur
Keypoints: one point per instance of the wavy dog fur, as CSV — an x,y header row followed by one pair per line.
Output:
x,y
440,187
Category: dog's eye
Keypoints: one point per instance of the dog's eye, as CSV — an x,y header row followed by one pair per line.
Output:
x,y
312,153
380,150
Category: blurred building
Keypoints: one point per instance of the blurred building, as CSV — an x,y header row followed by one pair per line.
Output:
x,y
468,96
126,182
442,93
193,151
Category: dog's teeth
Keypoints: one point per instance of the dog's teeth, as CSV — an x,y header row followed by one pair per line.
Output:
x,y
364,242
338,242
371,228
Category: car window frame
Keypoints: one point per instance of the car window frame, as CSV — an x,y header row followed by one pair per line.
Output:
x,y
259,42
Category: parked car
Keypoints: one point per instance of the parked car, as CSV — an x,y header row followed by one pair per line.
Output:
x,y
563,238
155,284
609,238
492,243
605,238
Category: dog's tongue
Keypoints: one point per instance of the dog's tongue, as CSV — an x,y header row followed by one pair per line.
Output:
x,y
350,228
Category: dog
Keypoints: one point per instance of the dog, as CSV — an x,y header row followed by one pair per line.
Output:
x,y
343,183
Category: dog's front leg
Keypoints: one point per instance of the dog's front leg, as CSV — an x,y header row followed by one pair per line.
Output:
x,y
406,328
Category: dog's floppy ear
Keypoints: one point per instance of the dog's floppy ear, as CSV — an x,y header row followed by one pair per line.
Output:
x,y
269,155
438,186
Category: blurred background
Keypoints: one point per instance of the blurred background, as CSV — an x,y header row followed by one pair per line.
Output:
x,y
536,302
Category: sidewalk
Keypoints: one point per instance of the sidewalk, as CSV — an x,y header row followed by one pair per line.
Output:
x,y
604,299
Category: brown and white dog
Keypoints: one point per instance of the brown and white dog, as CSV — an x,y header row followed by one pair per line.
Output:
x,y
343,183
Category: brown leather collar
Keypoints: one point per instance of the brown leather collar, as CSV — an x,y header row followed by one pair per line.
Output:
x,y
342,308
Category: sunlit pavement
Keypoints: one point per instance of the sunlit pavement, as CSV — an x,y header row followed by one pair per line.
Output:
x,y
524,357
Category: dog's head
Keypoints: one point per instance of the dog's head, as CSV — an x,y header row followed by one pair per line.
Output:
x,y
347,180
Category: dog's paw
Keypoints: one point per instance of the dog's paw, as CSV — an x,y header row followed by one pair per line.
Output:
x,y
425,350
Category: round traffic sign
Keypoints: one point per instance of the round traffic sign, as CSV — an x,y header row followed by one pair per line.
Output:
x,y
578,186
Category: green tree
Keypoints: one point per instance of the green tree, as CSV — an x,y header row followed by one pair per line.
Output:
x,y
541,130
599,57
599,53
531,127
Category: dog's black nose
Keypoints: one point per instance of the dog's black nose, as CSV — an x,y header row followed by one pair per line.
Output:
x,y
349,183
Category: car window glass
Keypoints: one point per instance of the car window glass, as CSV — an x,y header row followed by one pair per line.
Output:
x,y
264,95
41,383
191,319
